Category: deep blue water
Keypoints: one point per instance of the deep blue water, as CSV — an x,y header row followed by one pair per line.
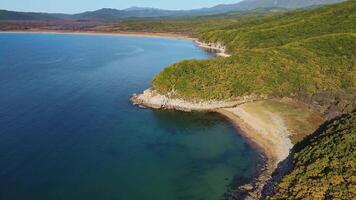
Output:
x,y
68,130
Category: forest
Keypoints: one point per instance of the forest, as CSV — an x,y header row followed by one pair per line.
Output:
x,y
323,164
308,53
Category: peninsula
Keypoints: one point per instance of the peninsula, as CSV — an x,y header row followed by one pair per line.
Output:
x,y
287,75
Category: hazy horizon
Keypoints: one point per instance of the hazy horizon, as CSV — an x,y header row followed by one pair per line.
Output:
x,y
71,7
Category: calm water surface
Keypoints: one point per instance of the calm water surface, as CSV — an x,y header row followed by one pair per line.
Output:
x,y
68,130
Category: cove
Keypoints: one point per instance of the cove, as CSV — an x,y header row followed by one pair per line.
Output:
x,y
69,131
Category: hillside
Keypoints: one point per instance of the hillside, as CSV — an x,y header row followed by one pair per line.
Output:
x,y
309,54
188,25
108,14
250,4
12,15
192,26
291,4
323,164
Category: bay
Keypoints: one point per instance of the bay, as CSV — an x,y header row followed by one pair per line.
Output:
x,y
68,130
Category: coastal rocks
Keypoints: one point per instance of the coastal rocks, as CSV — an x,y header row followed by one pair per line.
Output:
x,y
247,187
152,99
219,48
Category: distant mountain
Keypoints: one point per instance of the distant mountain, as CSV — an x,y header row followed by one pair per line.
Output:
x,y
291,4
12,15
133,12
144,12
135,8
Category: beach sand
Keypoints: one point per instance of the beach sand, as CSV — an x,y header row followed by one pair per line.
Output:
x,y
271,139
270,135
269,126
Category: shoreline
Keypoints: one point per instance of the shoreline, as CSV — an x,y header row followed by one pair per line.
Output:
x,y
271,141
220,49
250,134
154,100
123,33
255,188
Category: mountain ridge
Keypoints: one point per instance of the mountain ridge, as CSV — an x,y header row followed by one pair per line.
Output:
x,y
149,12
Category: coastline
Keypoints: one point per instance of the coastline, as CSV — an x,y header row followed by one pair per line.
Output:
x,y
253,135
264,146
123,33
218,49
270,140
152,99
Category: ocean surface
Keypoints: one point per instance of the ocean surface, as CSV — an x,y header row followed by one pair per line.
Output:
x,y
68,130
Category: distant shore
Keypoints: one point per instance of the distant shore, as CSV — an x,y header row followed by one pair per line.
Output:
x,y
219,50
123,33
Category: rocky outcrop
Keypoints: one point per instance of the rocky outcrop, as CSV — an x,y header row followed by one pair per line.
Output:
x,y
153,99
218,48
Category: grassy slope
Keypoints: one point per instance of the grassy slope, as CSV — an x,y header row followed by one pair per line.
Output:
x,y
297,117
291,27
324,164
299,53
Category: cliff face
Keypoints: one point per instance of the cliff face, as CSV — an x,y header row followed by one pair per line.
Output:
x,y
320,167
218,48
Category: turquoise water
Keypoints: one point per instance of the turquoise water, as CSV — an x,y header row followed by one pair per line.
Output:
x,y
68,130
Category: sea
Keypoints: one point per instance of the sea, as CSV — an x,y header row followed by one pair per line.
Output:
x,y
68,130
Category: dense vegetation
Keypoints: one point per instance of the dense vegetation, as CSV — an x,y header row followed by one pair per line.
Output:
x,y
301,53
309,54
195,25
323,164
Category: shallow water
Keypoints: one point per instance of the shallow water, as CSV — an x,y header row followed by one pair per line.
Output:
x,y
68,130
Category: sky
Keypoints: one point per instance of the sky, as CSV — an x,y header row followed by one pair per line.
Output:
x,y
75,6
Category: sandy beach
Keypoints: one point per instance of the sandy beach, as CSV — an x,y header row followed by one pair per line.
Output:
x,y
270,139
268,125
271,136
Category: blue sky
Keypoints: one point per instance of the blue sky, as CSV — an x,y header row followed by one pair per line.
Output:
x,y
74,6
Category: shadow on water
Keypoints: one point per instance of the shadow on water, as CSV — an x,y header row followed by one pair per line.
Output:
x,y
184,120
174,122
